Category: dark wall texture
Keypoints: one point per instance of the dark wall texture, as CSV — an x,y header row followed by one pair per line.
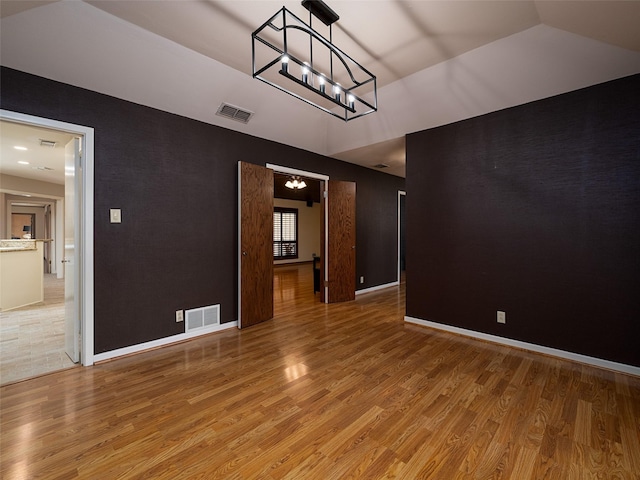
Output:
x,y
175,180
533,210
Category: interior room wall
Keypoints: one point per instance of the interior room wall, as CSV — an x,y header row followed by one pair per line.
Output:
x,y
535,211
29,185
309,219
164,171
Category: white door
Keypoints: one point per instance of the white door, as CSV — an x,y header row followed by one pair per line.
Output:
x,y
71,240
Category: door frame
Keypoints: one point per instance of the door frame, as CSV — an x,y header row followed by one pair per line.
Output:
x,y
401,193
84,267
325,178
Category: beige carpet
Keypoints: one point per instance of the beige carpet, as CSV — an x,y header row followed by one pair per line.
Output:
x,y
32,338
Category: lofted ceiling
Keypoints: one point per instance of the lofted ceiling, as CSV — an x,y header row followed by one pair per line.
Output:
x,y
436,62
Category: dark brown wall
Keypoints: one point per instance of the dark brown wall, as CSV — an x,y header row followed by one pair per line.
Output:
x,y
165,171
534,210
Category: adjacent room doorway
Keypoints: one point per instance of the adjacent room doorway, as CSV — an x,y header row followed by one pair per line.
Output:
x,y
255,240
402,220
79,268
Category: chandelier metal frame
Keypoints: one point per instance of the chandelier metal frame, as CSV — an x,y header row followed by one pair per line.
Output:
x,y
348,91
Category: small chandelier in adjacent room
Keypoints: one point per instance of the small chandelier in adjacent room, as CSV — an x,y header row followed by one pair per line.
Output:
x,y
295,183
289,54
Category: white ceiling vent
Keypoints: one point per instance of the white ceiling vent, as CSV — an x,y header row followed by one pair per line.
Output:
x,y
47,143
234,113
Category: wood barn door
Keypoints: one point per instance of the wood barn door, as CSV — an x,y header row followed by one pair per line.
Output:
x,y
255,239
341,241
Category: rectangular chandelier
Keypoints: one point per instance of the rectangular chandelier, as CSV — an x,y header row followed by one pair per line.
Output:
x,y
289,54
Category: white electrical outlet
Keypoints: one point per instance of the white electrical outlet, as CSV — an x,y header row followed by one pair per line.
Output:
x,y
179,316
362,279
502,317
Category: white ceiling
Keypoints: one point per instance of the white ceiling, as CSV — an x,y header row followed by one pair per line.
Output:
x,y
436,61
31,159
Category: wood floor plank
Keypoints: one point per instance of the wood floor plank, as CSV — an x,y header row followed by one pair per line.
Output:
x,y
344,391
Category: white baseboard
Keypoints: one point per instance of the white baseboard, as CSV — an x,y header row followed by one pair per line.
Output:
x,y
576,357
161,342
377,287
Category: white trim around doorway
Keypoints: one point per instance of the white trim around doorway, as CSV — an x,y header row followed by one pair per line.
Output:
x,y
86,247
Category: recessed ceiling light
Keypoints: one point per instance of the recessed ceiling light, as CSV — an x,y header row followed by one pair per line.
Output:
x,y
22,162
18,147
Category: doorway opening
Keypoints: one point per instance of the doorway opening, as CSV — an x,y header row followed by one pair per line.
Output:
x,y
255,240
297,235
319,181
23,225
402,221
48,195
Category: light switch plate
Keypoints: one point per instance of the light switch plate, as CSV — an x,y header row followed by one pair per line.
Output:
x,y
115,215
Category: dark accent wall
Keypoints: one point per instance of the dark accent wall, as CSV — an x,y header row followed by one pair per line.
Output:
x,y
175,180
533,210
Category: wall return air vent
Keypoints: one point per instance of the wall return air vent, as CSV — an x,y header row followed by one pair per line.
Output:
x,y
234,113
202,318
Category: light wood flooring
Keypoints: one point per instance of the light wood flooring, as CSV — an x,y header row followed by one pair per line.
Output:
x,y
341,391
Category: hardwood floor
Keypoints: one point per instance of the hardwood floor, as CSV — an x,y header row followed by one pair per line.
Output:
x,y
340,391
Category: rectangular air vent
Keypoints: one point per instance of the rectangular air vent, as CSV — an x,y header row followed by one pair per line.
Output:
x,y
47,143
234,113
200,318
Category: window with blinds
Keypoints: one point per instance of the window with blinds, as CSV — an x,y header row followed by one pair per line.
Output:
x,y
285,233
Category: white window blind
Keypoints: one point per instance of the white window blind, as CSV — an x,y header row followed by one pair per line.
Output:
x,y
285,233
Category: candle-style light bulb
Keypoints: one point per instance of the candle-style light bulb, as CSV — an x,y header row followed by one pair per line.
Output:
x,y
337,91
285,63
352,101
305,73
322,85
